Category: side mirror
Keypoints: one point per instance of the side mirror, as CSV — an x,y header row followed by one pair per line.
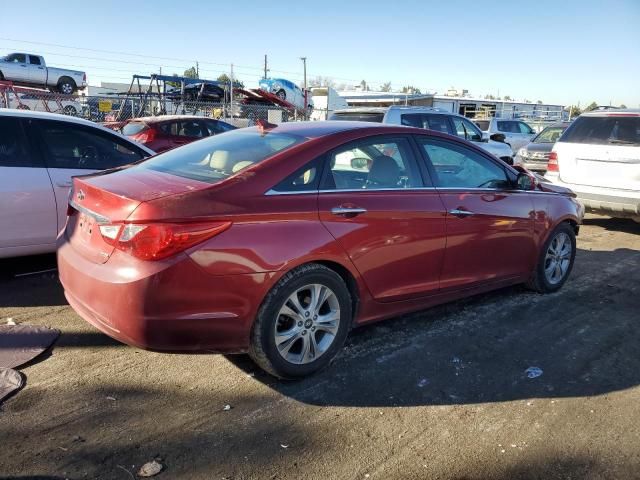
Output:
x,y
498,137
526,181
360,163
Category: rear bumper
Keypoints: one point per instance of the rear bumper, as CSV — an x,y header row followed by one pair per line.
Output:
x,y
165,306
608,201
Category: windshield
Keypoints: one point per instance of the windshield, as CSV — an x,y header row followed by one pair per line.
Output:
x,y
358,116
133,128
609,130
549,135
215,158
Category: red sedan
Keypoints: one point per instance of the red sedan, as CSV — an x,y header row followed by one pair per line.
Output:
x,y
277,241
165,132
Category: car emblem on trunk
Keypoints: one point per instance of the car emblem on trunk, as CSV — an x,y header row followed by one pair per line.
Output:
x,y
80,195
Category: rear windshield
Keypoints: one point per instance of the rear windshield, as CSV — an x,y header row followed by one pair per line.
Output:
x,y
133,128
549,135
215,158
358,116
610,130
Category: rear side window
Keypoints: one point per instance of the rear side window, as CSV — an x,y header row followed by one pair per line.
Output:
x,y
14,150
214,127
33,60
465,129
78,147
526,129
218,157
438,123
509,127
184,128
611,130
133,128
358,116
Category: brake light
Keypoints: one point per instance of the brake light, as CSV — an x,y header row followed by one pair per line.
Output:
x,y
147,135
155,241
552,163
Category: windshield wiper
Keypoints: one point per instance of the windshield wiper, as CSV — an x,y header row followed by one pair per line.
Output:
x,y
622,142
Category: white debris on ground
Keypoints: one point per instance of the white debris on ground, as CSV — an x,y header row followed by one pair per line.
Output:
x,y
150,469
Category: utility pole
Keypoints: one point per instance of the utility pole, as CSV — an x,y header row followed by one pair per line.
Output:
x,y
197,70
265,66
304,63
231,95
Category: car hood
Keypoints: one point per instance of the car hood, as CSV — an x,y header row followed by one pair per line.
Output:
x,y
498,149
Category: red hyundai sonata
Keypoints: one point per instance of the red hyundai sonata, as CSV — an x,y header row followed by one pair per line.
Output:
x,y
277,241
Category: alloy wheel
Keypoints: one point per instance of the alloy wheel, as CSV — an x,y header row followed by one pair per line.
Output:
x,y
307,324
558,258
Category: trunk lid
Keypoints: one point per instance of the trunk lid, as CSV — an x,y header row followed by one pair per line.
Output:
x,y
105,199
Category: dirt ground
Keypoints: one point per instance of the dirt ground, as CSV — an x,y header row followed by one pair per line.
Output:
x,y
439,394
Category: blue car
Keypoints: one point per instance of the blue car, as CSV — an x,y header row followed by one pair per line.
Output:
x,y
288,91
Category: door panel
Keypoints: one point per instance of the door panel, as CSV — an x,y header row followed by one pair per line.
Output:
x,y
494,242
27,203
392,227
397,245
489,225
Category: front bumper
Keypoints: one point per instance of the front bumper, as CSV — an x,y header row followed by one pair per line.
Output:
x,y
166,306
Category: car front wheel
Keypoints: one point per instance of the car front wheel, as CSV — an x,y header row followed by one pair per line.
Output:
x,y
302,323
555,260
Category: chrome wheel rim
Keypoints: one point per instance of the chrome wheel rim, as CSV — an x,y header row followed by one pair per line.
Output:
x,y
558,258
66,88
307,324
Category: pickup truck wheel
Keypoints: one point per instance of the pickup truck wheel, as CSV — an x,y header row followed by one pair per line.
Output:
x,y
70,110
66,86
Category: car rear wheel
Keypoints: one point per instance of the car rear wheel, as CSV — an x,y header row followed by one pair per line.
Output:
x,y
302,323
66,86
555,260
70,110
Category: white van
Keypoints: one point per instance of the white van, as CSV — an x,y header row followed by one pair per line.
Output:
x,y
598,157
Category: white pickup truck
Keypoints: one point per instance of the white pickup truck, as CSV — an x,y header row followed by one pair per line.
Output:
x,y
31,70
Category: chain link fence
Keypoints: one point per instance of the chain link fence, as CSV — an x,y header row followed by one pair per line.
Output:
x,y
121,108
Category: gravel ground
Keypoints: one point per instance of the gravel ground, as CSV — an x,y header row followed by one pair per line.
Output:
x,y
438,394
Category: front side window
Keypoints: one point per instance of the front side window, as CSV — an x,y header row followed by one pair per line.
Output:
x,y
456,166
76,146
465,129
215,158
526,129
373,164
214,127
191,128
17,58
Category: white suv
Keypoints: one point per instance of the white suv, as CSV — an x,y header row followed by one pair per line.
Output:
x,y
598,157
517,133
431,119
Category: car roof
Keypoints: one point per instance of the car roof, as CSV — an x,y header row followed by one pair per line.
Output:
x,y
362,110
313,129
614,112
12,112
169,118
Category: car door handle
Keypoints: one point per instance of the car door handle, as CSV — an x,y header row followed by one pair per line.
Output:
x,y
348,211
63,184
460,213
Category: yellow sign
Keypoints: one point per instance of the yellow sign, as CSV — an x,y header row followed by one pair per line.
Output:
x,y
104,105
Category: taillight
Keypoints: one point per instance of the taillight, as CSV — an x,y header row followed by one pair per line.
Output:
x,y
147,135
155,241
552,163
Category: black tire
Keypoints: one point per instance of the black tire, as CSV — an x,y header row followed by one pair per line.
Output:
x,y
263,348
539,281
66,86
282,95
70,110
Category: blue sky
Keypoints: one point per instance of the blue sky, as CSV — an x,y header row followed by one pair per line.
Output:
x,y
555,51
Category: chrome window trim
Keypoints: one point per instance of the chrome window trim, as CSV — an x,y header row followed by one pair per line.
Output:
x,y
446,189
99,218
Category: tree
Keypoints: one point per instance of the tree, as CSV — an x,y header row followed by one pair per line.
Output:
x,y
573,110
539,102
385,87
508,98
321,81
489,97
412,90
364,86
224,78
622,105
591,106
191,73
